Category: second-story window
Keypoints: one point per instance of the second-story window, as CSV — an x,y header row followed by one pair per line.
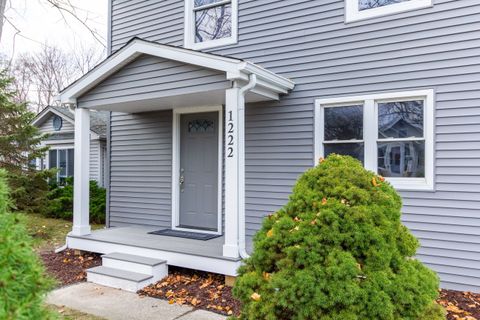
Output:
x,y
365,9
210,23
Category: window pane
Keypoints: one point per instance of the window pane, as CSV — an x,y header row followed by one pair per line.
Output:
x,y
71,158
52,159
344,123
369,4
400,119
213,23
355,150
199,3
402,159
62,162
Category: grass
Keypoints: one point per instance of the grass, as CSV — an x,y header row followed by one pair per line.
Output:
x,y
48,233
65,313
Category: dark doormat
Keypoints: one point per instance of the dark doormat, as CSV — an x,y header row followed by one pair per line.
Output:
x,y
185,234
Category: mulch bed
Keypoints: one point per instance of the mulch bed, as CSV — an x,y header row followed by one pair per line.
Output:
x,y
207,291
68,268
201,290
460,305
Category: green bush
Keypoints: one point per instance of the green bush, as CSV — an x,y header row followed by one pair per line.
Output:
x,y
22,281
60,204
337,250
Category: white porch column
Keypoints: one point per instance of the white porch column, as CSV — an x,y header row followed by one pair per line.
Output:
x,y
230,248
81,192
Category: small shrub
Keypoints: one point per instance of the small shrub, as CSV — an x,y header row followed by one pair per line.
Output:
x,y
337,250
22,281
61,201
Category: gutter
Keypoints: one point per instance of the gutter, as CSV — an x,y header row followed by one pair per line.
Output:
x,y
241,166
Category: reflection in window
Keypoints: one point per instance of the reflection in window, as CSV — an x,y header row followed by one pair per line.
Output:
x,y
344,123
343,131
369,4
401,159
354,150
400,119
212,21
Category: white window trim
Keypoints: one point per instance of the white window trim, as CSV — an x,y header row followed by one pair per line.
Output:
x,y
352,13
189,28
47,160
370,133
177,112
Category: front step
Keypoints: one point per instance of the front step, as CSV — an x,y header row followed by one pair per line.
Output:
x,y
127,272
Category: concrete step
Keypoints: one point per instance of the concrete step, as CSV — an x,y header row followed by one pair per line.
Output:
x,y
121,279
128,262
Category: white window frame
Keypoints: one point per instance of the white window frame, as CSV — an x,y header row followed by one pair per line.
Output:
x,y
370,132
57,149
189,32
352,12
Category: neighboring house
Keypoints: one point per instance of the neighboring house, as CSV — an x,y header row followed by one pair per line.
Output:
x,y
218,106
59,124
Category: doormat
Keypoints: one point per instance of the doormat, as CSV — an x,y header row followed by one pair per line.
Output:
x,y
185,234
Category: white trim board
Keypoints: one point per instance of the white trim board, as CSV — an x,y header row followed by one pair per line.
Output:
x,y
235,69
352,12
189,29
176,165
370,126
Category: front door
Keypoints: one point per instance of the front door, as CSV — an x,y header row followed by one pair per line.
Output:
x,y
199,171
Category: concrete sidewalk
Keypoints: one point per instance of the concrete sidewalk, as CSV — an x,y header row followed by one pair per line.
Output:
x,y
116,304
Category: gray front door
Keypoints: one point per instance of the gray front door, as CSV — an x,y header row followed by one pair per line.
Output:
x,y
199,171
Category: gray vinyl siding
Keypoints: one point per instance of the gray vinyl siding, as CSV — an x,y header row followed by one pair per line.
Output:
x,y
47,126
150,77
140,169
308,42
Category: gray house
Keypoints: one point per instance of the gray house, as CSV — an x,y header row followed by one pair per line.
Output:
x,y
218,106
58,123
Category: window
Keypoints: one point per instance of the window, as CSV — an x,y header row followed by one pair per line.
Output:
x,y
365,9
63,160
210,23
391,134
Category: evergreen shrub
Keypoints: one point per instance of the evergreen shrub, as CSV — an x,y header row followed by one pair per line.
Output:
x,y
22,281
337,250
60,204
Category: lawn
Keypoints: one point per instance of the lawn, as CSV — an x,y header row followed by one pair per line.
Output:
x,y
70,314
48,233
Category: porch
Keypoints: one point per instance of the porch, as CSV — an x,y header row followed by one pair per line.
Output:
x,y
185,89
187,253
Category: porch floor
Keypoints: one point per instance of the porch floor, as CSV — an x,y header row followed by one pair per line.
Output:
x,y
195,254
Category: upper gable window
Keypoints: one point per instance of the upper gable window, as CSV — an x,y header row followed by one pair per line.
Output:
x,y
365,9
210,23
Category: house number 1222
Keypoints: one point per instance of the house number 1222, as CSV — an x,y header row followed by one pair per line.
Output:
x,y
230,131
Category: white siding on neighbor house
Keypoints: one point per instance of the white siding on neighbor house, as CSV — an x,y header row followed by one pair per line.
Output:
x,y
308,42
47,126
68,127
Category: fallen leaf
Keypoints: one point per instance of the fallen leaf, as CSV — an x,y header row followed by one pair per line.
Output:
x,y
255,296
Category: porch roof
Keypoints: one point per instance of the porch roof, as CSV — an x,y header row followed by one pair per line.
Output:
x,y
269,85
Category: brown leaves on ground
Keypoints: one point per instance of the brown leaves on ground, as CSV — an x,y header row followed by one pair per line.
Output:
x,y
199,289
460,305
67,267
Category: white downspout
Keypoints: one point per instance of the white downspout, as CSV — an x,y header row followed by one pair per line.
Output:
x,y
241,166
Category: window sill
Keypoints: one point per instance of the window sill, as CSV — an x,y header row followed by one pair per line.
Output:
x,y
411,184
210,44
354,15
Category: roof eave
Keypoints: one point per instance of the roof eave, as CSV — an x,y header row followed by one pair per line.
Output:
x,y
235,69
